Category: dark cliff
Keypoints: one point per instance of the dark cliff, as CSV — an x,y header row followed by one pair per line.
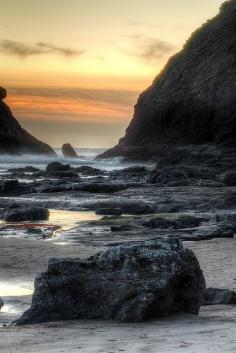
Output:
x,y
13,138
193,100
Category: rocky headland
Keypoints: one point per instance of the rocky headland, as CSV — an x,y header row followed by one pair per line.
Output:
x,y
192,101
13,138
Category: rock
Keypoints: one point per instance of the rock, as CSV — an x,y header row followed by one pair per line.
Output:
x,y
121,228
54,188
215,296
180,222
27,169
3,93
127,206
229,178
131,174
55,167
1,300
192,101
16,213
99,187
87,170
211,231
71,174
9,186
109,211
13,138
130,283
68,151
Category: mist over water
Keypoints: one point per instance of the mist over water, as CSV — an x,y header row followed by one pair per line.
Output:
x,y
86,156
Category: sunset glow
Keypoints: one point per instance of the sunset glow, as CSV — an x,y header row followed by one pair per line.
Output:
x,y
87,62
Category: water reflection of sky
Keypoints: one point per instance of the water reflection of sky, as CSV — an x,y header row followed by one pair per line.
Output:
x,y
65,219
15,290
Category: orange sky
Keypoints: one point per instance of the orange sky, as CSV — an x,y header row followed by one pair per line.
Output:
x,y
74,69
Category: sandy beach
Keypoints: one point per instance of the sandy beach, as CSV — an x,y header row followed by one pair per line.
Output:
x,y
212,331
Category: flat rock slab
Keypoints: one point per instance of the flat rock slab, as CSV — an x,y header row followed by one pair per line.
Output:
x,y
16,213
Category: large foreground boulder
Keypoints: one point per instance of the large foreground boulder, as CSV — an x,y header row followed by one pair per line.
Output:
x,y
13,138
192,100
16,213
128,283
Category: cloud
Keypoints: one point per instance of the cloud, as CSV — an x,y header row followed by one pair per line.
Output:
x,y
72,104
152,49
149,49
23,50
83,117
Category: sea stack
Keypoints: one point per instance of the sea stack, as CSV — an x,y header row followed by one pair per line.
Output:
x,y
13,138
68,151
192,101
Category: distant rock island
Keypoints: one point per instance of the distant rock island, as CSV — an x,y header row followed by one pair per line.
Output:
x,y
13,138
193,100
68,151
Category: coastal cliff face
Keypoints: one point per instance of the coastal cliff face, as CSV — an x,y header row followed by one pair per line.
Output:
x,y
13,138
193,100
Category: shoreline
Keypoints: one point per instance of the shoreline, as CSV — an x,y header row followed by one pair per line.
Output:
x,y
193,333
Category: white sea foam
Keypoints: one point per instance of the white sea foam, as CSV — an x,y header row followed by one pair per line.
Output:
x,y
86,156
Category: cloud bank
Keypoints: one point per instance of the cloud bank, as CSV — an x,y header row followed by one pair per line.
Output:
x,y
22,50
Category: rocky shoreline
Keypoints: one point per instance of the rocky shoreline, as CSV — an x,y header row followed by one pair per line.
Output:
x,y
189,200
192,200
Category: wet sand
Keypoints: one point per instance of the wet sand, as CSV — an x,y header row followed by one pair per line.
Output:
x,y
214,330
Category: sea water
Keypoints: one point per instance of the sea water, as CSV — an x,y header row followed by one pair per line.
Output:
x,y
86,156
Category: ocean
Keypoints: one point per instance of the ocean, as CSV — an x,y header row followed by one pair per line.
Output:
x,y
86,156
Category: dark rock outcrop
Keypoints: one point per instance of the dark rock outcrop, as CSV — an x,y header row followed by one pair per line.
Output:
x,y
130,283
55,167
181,222
16,213
13,138
10,187
59,170
68,151
126,205
192,101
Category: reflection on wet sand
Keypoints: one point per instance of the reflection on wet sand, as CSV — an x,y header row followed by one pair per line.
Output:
x,y
67,219
59,220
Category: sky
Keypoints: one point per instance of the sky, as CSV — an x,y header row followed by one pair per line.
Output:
x,y
74,68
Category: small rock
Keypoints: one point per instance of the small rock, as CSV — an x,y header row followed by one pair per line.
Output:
x,y
180,222
55,167
68,151
216,296
10,187
16,213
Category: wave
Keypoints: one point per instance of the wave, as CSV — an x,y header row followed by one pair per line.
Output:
x,y
86,156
